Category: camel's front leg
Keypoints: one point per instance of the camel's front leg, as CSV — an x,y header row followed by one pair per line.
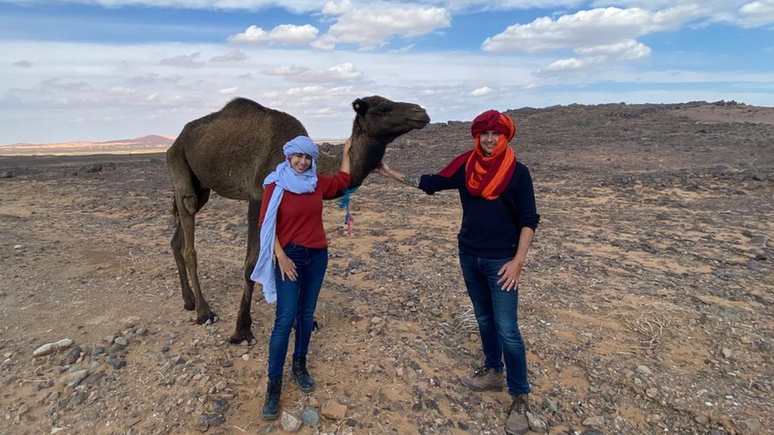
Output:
x,y
187,222
244,319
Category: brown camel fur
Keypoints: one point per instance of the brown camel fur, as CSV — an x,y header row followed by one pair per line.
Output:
x,y
231,151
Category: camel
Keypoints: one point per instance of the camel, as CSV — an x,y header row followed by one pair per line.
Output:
x,y
231,152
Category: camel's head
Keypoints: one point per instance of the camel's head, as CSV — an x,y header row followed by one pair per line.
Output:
x,y
381,118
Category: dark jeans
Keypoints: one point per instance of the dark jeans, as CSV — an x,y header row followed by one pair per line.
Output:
x,y
498,322
296,301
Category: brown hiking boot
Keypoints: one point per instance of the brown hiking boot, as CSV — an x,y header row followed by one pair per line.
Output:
x,y
517,422
484,379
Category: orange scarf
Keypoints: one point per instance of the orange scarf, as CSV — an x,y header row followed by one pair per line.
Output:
x,y
487,177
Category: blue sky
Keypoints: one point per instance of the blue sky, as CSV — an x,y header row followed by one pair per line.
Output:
x,y
110,69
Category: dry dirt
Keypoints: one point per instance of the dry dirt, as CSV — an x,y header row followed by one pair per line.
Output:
x,y
646,303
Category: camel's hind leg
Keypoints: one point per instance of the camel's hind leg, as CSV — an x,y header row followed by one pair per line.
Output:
x,y
189,199
244,320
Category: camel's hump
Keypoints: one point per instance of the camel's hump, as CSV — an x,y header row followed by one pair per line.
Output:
x,y
243,104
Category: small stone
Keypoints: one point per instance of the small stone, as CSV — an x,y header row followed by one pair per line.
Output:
x,y
727,353
550,405
246,357
596,422
73,355
652,392
290,422
72,379
752,424
644,370
228,362
701,419
334,410
536,423
121,341
310,416
116,349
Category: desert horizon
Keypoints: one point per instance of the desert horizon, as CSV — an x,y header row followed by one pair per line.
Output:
x,y
156,143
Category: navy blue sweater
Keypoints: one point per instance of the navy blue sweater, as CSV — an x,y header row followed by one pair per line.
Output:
x,y
490,228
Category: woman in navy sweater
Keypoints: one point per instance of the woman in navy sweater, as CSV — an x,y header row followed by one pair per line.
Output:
x,y
499,218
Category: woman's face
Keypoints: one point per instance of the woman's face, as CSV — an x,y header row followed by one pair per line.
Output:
x,y
488,141
300,162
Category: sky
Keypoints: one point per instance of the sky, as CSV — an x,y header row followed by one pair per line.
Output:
x,y
113,69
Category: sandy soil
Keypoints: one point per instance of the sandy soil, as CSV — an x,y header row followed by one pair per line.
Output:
x,y
646,304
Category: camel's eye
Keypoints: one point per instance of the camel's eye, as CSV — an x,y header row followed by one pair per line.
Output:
x,y
385,110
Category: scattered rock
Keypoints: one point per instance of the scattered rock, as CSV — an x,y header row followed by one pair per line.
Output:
x,y
310,416
596,422
72,379
334,410
50,348
644,370
289,422
536,423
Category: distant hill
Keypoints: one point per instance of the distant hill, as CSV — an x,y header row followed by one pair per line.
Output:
x,y
142,144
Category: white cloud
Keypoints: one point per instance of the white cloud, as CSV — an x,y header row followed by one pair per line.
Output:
x,y
284,33
337,8
285,71
629,49
183,61
574,64
151,78
345,72
589,28
120,90
231,56
371,27
480,92
229,91
404,49
757,13
23,64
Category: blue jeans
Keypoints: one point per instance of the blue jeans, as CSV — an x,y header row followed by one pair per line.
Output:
x,y
296,302
498,321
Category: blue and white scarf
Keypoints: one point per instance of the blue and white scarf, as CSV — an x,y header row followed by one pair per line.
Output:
x,y
286,178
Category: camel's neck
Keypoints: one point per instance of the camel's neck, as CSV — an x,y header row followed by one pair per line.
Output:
x,y
365,155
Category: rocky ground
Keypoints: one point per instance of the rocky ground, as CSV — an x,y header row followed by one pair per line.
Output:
x,y
646,303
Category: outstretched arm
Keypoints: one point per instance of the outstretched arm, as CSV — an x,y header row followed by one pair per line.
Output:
x,y
409,180
345,159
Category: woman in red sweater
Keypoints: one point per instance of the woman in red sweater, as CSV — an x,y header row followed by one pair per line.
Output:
x,y
291,226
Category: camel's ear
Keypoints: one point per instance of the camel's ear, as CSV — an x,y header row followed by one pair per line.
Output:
x,y
360,106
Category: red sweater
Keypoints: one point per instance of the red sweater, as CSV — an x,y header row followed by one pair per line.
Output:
x,y
299,218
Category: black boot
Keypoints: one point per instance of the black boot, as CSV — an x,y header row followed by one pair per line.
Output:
x,y
271,405
302,377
